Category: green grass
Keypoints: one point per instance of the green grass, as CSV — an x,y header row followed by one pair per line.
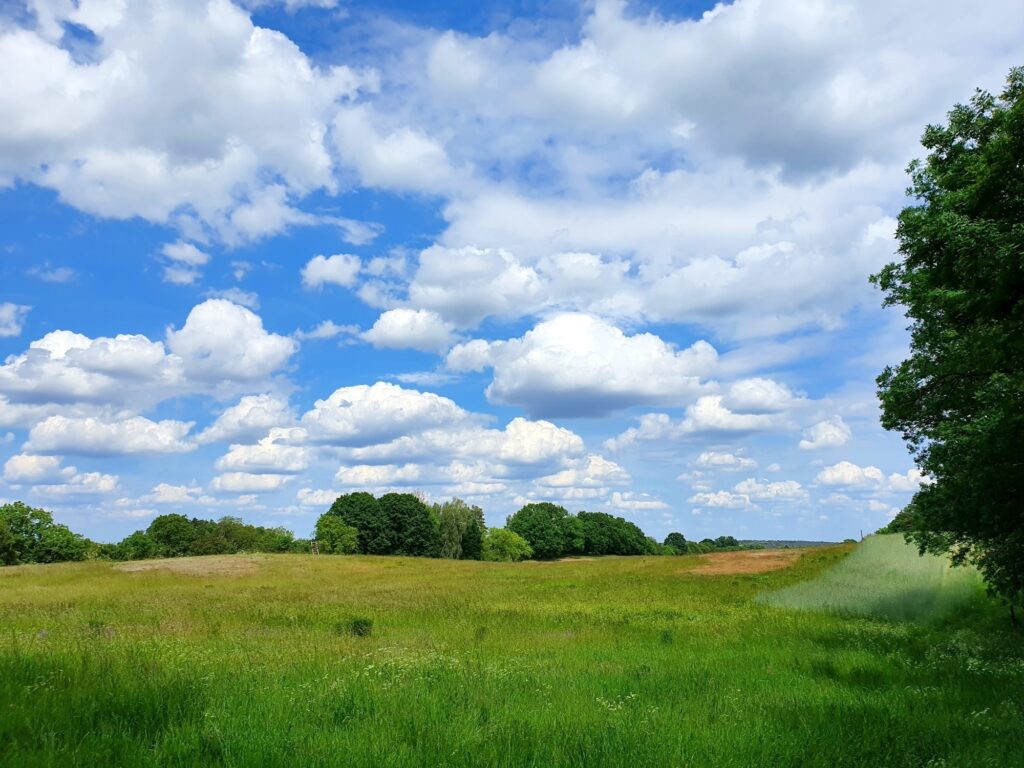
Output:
x,y
885,577
607,662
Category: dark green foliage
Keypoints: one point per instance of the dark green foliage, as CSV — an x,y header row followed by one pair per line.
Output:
x,y
549,529
138,546
604,534
904,522
8,548
677,541
26,525
59,544
411,529
173,534
958,400
360,626
335,537
503,545
362,511
461,528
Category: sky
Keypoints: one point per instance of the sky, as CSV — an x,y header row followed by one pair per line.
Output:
x,y
609,254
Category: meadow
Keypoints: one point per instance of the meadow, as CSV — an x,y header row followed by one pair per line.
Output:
x,y
283,660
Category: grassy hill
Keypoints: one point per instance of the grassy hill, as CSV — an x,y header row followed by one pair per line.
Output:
x,y
361,661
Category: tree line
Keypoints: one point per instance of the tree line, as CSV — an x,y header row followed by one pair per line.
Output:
x,y
356,523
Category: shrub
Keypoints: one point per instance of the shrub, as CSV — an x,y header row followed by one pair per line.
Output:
x,y
503,545
360,626
334,537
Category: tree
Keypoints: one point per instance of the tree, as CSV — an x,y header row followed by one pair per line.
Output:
x,y
604,534
335,537
138,546
677,541
26,525
363,512
549,529
173,534
8,545
503,545
461,527
59,544
411,528
958,400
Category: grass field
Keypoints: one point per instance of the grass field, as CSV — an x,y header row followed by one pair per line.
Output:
x,y
259,661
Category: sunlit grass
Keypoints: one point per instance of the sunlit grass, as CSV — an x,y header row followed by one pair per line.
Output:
x,y
605,662
886,577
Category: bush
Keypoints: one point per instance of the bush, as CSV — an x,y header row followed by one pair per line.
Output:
x,y
334,537
503,545
360,626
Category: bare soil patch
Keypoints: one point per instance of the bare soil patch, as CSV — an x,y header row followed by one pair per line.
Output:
x,y
754,561
214,565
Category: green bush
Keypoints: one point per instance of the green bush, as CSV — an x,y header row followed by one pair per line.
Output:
x,y
503,545
334,537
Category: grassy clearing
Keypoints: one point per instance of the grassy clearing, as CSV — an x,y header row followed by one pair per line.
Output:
x,y
885,577
605,662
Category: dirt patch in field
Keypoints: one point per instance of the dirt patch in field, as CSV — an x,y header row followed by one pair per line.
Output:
x,y
755,561
216,565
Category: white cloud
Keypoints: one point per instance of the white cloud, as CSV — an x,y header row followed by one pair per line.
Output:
x,y
340,269
721,499
850,475
909,482
367,415
12,318
763,490
327,330
243,482
590,472
185,114
723,460
636,501
577,364
236,295
831,433
403,328
268,456
166,493
379,476
402,159
223,341
249,419
759,395
310,497
47,475
91,436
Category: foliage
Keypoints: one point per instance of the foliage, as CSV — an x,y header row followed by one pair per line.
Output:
x,y
549,529
604,534
173,534
411,528
461,528
8,544
958,400
58,544
26,526
138,546
362,511
677,541
503,545
335,537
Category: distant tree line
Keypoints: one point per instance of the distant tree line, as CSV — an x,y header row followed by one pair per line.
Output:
x,y
356,523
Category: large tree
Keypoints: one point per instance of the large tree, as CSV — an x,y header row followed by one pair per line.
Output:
x,y
958,400
413,530
362,511
549,529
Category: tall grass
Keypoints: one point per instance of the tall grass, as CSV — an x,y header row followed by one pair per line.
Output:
x,y
885,577
363,661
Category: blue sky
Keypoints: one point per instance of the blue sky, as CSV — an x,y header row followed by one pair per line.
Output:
x,y
608,254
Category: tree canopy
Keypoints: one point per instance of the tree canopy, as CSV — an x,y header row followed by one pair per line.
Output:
x,y
958,400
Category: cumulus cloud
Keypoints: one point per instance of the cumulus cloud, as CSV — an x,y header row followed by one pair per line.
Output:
x,y
636,501
830,433
244,482
340,269
186,114
222,341
91,436
403,328
721,499
724,460
47,475
248,420
266,457
580,365
12,318
850,475
763,490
